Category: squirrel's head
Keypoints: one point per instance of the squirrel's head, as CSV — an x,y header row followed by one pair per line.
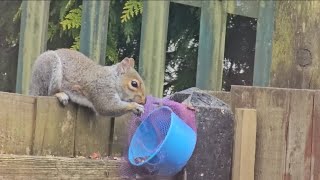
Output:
x,y
133,88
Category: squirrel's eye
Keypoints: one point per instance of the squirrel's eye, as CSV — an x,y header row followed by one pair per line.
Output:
x,y
134,84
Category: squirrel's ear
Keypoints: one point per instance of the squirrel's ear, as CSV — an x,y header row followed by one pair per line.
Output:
x,y
125,65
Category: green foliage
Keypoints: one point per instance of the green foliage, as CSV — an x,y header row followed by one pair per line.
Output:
x,y
131,8
72,20
71,24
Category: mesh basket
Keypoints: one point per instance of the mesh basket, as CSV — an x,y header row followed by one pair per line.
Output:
x,y
162,144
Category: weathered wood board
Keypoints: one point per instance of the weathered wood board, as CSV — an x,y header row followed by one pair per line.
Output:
x,y
315,152
17,115
295,51
244,146
42,126
54,127
222,95
48,167
284,130
33,33
120,135
92,133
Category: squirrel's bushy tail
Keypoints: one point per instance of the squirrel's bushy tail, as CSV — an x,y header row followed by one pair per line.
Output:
x,y
46,76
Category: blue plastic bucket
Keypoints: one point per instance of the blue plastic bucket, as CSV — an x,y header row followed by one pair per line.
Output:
x,y
162,143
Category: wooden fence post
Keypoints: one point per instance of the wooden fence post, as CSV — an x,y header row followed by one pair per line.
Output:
x,y
263,54
94,28
296,49
33,39
244,146
153,45
211,45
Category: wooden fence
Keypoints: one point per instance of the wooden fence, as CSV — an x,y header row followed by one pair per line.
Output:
x,y
286,136
34,23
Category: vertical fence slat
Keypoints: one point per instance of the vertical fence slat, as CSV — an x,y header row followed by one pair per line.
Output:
x,y
315,157
299,135
153,45
244,144
94,27
263,54
33,39
211,45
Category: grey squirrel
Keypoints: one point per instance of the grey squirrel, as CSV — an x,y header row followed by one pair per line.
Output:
x,y
70,75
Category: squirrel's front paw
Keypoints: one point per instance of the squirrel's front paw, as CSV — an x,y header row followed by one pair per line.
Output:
x,y
63,98
137,108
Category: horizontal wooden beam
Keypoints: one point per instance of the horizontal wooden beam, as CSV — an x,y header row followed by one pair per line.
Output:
x,y
196,3
244,8
49,167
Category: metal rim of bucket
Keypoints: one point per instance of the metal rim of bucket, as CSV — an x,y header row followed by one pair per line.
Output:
x,y
160,145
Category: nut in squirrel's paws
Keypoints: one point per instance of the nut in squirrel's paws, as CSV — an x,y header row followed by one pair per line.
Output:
x,y
138,109
63,98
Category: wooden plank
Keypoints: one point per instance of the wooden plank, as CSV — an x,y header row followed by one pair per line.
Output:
x,y
295,62
222,95
263,49
244,8
55,127
244,144
272,106
94,27
17,116
299,135
120,135
153,45
196,3
33,33
48,167
92,134
315,156
211,45
242,97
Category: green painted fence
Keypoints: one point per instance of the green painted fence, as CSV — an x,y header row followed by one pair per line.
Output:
x,y
152,54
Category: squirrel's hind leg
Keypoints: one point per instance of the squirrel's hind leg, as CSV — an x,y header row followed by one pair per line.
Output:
x,y
62,97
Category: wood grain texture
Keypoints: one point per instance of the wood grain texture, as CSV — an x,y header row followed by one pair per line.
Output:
x,y
222,95
93,34
33,33
17,116
299,135
263,48
286,137
315,156
244,8
48,167
55,127
153,45
211,45
272,111
92,133
296,48
120,135
244,144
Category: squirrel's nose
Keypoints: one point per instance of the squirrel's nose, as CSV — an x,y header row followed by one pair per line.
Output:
x,y
144,100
